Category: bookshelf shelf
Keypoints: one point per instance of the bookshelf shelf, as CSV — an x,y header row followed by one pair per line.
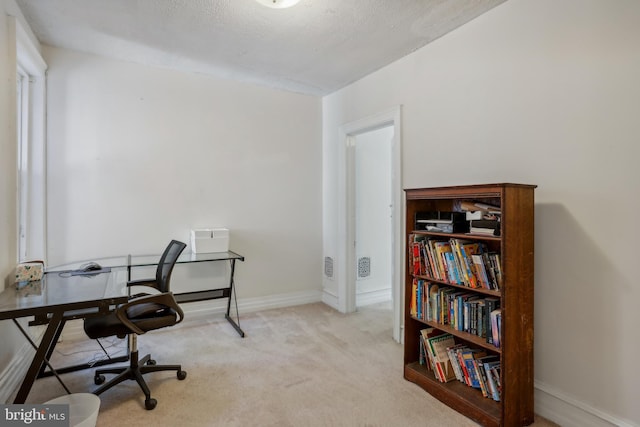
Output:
x,y
457,395
511,267
453,285
477,341
460,235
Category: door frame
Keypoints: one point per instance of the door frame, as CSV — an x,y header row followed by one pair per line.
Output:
x,y
346,211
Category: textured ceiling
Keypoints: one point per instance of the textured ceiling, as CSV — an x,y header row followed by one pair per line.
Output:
x,y
316,47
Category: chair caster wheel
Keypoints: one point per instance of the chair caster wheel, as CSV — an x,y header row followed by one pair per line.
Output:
x,y
98,379
151,362
149,404
182,375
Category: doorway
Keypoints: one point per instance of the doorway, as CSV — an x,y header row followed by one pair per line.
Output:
x,y
373,225
347,261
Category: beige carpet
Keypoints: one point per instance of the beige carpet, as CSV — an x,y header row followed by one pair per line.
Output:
x,y
298,366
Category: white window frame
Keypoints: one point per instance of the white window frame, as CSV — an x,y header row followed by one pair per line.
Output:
x,y
31,117
22,127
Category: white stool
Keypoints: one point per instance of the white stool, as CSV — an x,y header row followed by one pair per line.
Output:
x,y
83,408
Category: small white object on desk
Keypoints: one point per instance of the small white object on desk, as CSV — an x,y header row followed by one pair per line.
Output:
x,y
206,240
29,271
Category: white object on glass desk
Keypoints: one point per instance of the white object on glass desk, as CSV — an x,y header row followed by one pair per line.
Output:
x,y
206,240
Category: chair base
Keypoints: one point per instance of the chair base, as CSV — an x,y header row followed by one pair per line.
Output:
x,y
135,371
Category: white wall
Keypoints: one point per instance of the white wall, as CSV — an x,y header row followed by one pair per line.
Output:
x,y
8,146
14,347
538,92
373,212
8,181
139,155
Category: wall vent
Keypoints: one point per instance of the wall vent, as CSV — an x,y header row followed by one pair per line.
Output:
x,y
364,267
328,266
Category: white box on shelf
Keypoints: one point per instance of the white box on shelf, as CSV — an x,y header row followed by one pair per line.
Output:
x,y
205,240
473,215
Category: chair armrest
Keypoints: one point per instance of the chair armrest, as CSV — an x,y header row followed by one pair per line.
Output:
x,y
147,283
152,283
165,299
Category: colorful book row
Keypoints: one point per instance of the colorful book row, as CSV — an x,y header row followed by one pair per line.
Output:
x,y
460,309
463,262
450,361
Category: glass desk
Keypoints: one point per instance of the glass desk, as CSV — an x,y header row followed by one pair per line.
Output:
x,y
149,260
132,261
64,295
56,298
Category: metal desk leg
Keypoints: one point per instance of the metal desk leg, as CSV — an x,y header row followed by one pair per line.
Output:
x,y
231,292
39,358
47,356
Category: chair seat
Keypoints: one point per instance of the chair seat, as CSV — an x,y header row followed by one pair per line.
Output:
x,y
146,316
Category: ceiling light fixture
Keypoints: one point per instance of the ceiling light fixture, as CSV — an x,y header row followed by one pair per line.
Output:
x,y
278,4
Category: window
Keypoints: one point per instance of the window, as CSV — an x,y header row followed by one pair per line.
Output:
x,y
30,75
22,127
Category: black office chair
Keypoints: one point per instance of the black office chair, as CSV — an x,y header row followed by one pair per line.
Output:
x,y
141,314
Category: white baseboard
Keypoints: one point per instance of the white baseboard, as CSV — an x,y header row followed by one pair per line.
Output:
x,y
373,297
330,299
13,373
11,377
362,299
569,412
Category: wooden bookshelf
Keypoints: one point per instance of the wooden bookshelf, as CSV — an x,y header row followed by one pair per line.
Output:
x,y
515,248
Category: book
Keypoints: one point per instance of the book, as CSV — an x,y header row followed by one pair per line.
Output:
x,y
432,264
442,248
453,358
473,315
452,269
480,362
467,249
454,315
489,369
416,259
481,376
425,334
481,271
419,287
424,257
468,357
489,262
413,310
438,346
432,303
495,376
480,321
498,270
445,311
490,304
496,323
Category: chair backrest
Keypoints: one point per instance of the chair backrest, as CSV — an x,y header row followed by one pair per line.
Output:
x,y
166,264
